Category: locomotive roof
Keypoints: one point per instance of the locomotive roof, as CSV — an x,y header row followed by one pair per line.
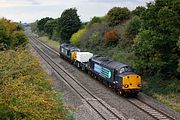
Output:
x,y
65,45
108,62
69,47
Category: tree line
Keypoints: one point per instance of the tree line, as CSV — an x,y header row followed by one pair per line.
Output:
x,y
60,28
148,36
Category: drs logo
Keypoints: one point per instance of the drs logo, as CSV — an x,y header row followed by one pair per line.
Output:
x,y
104,72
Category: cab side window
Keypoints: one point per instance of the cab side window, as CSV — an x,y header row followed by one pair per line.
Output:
x,y
122,70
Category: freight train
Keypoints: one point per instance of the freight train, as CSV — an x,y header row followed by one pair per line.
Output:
x,y
121,77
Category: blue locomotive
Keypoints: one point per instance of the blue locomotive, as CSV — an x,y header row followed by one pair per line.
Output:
x,y
119,76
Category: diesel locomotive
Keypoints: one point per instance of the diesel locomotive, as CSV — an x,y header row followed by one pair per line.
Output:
x,y
116,75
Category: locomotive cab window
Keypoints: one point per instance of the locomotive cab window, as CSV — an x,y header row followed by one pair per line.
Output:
x,y
125,69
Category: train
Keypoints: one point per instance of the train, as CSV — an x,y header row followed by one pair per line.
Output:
x,y
121,77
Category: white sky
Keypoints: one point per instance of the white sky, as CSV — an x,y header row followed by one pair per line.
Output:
x,y
31,10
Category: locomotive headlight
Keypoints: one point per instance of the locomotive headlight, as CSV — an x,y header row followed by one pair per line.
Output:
x,y
139,85
126,86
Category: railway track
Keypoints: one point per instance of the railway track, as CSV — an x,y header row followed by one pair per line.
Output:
x,y
103,110
150,110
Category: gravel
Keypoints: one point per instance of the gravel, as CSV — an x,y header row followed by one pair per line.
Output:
x,y
80,109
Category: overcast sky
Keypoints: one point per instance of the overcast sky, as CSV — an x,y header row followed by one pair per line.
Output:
x,y
31,10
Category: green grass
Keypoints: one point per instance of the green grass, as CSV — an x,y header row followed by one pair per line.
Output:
x,y
50,42
165,91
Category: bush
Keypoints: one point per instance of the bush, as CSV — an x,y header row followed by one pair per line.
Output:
x,y
11,35
98,29
93,21
20,39
111,37
76,36
25,90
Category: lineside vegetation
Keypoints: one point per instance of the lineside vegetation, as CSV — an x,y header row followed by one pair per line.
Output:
x,y
25,90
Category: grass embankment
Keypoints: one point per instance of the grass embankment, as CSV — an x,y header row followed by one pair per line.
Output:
x,y
50,42
25,90
165,91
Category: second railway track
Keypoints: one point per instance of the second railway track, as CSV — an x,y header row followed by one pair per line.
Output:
x,y
113,114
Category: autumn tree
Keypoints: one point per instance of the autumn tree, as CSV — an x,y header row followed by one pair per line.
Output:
x,y
11,35
111,37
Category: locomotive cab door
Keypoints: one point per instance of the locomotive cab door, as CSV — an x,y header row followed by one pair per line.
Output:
x,y
117,80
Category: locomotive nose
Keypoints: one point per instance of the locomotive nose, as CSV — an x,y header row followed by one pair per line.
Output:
x,y
131,82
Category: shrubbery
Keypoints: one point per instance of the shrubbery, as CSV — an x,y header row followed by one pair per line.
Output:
x,y
11,35
133,27
76,36
111,37
25,90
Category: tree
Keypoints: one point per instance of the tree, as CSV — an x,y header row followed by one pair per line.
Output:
x,y
139,11
156,45
42,22
94,20
133,26
69,23
117,15
50,26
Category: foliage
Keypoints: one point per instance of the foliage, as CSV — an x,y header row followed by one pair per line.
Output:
x,y
75,37
25,89
42,22
133,27
117,15
34,26
93,21
155,45
111,37
11,35
166,91
139,11
93,36
69,23
153,34
19,39
50,26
